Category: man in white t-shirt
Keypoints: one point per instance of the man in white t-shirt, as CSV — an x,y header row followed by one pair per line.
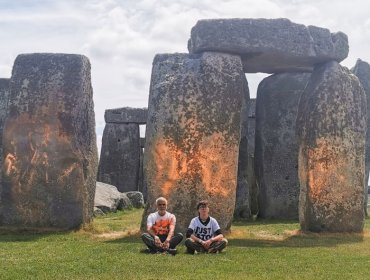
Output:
x,y
161,227
204,233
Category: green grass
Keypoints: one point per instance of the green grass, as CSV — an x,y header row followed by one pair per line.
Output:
x,y
110,247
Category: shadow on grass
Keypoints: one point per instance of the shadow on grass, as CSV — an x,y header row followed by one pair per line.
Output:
x,y
304,240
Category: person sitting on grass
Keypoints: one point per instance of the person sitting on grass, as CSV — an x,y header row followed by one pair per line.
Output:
x,y
204,233
161,227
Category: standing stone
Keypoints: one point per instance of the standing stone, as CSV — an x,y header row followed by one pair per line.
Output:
x,y
331,126
4,99
276,154
120,156
269,45
362,71
121,147
242,201
251,178
193,134
50,153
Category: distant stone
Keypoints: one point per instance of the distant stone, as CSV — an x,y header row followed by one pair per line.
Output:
x,y
120,156
136,199
109,199
126,115
251,177
331,126
242,203
98,212
193,134
125,203
269,45
276,152
49,143
362,71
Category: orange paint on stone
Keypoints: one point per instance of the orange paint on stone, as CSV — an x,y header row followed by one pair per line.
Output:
x,y
212,162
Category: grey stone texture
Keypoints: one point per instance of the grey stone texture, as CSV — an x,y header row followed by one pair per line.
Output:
x,y
4,99
269,45
119,163
126,115
49,142
331,128
109,199
276,147
193,133
136,198
251,177
242,201
362,71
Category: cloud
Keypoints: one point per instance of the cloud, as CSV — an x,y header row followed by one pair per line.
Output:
x,y
121,37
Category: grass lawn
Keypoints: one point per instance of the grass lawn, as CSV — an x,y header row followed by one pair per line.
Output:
x,y
110,247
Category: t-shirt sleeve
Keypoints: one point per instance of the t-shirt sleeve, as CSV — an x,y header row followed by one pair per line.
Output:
x,y
216,227
192,224
173,220
150,221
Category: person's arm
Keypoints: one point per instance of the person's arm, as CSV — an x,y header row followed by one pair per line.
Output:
x,y
149,228
171,232
166,243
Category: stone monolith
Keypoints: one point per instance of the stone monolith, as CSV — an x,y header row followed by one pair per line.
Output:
x,y
119,163
276,148
49,142
193,134
362,71
251,177
331,126
242,203
269,45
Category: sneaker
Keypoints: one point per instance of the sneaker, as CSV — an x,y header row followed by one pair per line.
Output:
x,y
218,247
172,252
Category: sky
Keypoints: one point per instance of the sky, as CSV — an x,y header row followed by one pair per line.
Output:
x,y
121,37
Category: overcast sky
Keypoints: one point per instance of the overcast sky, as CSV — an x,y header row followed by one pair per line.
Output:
x,y
121,37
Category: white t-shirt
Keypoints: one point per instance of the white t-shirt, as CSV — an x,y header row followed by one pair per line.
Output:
x,y
202,231
161,224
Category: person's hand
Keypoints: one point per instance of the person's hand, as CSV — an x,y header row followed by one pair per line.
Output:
x,y
157,241
207,243
166,244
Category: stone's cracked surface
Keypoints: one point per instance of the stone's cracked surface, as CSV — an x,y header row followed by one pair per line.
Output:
x,y
331,127
192,134
50,154
120,156
126,115
362,71
276,153
269,45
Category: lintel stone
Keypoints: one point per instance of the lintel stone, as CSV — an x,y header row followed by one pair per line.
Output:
x,y
126,115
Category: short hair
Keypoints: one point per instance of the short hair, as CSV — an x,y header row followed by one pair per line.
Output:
x,y
160,199
202,203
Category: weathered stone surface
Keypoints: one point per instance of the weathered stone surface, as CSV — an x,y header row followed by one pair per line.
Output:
x,y
362,71
276,147
126,115
192,134
49,142
269,45
242,201
251,178
4,99
331,126
136,198
142,185
109,199
120,156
